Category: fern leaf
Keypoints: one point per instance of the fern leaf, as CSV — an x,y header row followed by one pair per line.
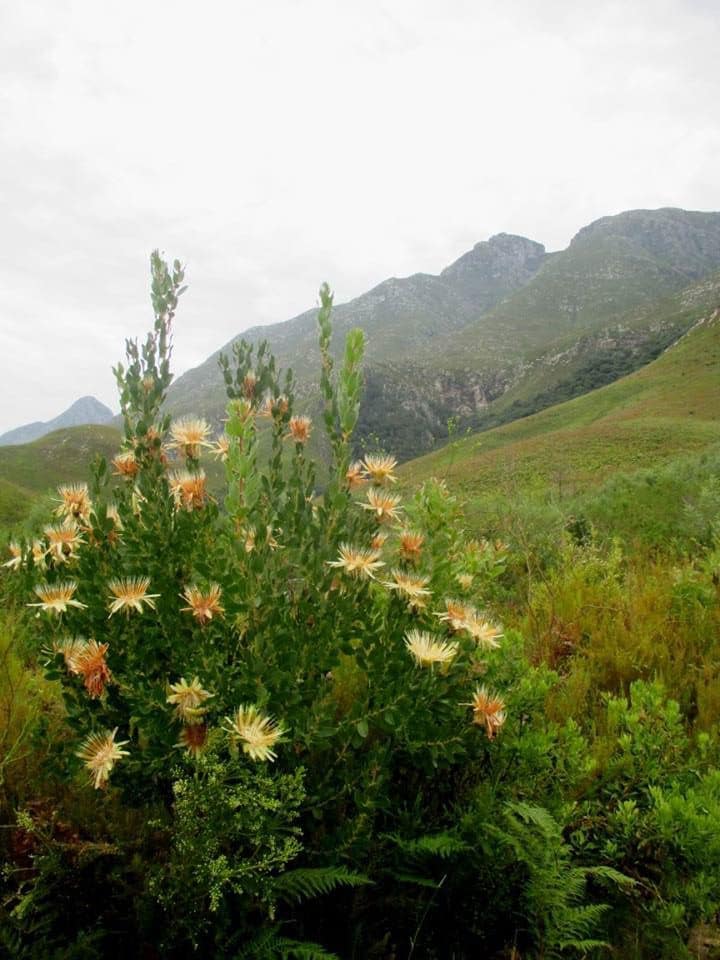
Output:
x,y
307,882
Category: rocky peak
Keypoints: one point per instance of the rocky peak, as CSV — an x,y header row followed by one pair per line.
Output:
x,y
495,268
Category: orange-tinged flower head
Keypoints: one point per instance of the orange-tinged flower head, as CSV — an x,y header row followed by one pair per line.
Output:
x,y
255,732
248,385
385,506
413,589
488,711
203,604
63,540
188,489
87,659
194,738
456,614
379,540
380,468
101,752
130,593
465,580
357,562
485,633
188,699
57,597
16,556
125,464
427,650
411,545
356,476
299,429
189,436
74,501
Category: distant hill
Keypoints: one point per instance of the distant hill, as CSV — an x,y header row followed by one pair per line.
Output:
x,y
669,407
86,410
505,323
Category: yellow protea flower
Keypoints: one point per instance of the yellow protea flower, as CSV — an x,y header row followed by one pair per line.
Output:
x,y
357,562
189,435
465,580
411,545
57,597
188,489
383,505
16,556
413,588
256,732
100,753
74,501
299,429
380,468
130,593
63,539
221,448
427,649
488,711
355,476
188,699
194,738
483,632
203,605
125,464
456,614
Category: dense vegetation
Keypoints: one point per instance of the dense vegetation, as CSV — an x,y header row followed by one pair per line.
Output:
x,y
294,726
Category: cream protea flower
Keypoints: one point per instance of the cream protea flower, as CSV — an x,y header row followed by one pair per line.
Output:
x,y
483,632
189,435
356,476
383,505
38,554
248,385
57,597
74,501
257,733
411,545
465,580
63,539
428,649
112,513
250,535
488,711
16,556
413,588
125,464
130,593
379,540
203,606
221,448
357,562
188,489
456,614
380,468
87,659
100,753
299,429
69,648
194,738
188,699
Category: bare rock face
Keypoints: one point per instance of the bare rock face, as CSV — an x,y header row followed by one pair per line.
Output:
x,y
494,268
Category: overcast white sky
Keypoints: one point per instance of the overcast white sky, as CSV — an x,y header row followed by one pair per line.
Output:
x,y
274,145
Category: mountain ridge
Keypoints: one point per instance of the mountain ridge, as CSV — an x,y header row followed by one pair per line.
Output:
x,y
84,411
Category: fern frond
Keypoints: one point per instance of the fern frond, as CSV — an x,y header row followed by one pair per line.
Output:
x,y
306,882
442,845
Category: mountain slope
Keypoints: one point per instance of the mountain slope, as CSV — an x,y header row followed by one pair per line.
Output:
x,y
86,410
506,322
669,407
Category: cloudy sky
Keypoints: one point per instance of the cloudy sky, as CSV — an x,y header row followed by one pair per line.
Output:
x,y
274,145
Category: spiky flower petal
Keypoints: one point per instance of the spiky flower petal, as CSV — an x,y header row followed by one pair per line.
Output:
x,y
427,649
188,699
87,659
488,711
63,540
203,605
100,753
16,556
194,738
380,468
189,435
130,593
356,476
411,545
188,489
357,562
221,448
125,464
74,501
57,597
299,429
385,506
256,732
413,589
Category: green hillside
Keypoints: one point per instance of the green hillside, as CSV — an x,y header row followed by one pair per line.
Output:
x,y
670,407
